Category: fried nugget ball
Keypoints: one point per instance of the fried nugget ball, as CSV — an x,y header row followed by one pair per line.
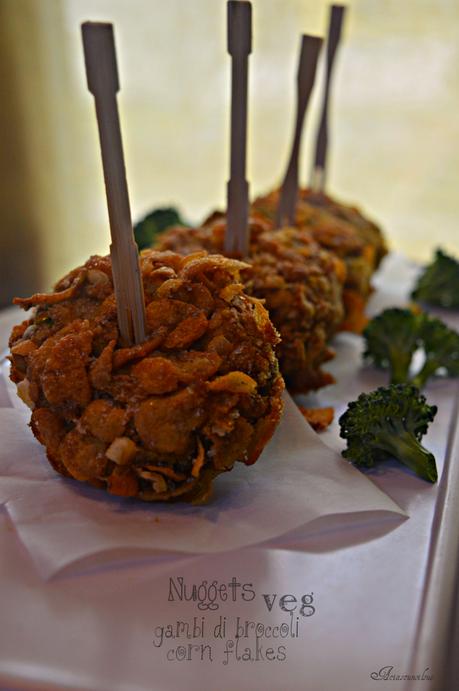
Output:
x,y
300,283
161,419
345,232
367,229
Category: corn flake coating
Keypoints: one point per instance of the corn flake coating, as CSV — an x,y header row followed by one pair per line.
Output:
x,y
344,231
161,419
367,230
300,284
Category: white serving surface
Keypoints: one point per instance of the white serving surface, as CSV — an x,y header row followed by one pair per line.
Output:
x,y
382,592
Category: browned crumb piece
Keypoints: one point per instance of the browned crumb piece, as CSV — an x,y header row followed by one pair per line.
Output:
x,y
318,418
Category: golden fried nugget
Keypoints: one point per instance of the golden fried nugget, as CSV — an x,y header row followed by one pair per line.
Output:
x,y
159,420
299,283
345,232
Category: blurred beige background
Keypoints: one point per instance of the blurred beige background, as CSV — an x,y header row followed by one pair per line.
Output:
x,y
395,124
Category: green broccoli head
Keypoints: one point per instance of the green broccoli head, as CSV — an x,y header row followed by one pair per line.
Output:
x,y
389,423
441,350
391,339
156,222
439,282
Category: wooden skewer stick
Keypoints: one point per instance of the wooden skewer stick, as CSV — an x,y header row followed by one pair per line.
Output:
x,y
239,47
102,77
310,48
333,38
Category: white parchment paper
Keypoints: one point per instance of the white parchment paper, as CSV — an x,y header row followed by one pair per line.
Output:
x,y
296,480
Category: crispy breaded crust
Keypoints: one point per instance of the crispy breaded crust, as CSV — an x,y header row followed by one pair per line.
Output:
x,y
299,282
345,232
161,419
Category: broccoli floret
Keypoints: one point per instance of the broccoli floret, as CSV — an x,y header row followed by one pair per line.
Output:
x,y
441,350
391,339
389,423
157,221
439,282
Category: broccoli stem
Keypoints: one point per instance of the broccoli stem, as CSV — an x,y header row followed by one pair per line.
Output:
x,y
400,365
406,448
427,371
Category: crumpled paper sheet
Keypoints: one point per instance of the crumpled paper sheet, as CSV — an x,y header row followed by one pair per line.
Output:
x,y
61,522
